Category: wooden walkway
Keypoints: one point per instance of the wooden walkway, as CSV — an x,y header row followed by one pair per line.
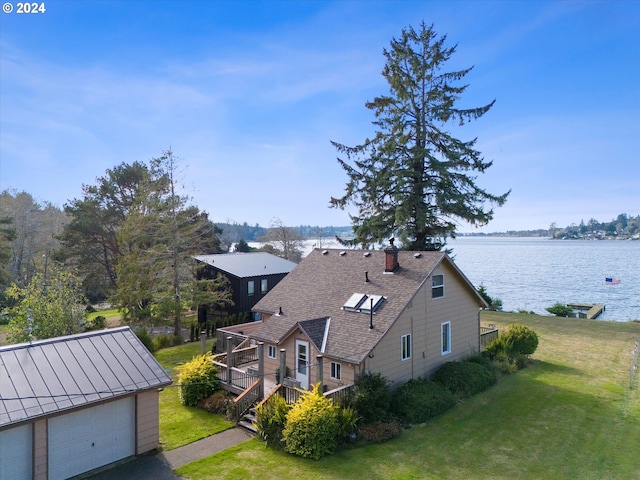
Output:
x,y
592,310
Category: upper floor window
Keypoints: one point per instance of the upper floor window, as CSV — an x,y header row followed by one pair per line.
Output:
x,y
437,286
264,286
336,371
445,334
405,347
250,287
272,351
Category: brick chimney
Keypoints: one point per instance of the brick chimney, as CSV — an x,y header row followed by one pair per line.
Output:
x,y
391,257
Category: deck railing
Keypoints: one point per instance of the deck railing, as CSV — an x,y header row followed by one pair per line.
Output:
x,y
340,395
240,379
291,393
487,335
246,399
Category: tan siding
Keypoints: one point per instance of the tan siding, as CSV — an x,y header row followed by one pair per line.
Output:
x,y
40,449
422,318
147,424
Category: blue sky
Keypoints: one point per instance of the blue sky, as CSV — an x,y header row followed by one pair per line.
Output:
x,y
250,94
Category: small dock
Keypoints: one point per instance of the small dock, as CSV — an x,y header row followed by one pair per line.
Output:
x,y
587,310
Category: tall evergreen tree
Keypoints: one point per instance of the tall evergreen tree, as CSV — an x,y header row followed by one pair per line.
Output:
x,y
414,179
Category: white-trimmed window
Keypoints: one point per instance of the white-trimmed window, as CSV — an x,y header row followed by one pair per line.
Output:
x,y
405,347
272,351
264,286
445,338
336,371
250,288
437,286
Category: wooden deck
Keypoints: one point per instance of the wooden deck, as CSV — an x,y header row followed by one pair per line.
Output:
x,y
587,310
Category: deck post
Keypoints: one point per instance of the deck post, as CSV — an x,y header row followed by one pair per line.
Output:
x,y
229,358
319,371
261,369
283,364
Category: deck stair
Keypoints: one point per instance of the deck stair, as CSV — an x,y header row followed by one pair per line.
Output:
x,y
248,421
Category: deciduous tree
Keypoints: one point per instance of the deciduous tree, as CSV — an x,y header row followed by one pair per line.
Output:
x,y
51,305
283,241
415,179
158,238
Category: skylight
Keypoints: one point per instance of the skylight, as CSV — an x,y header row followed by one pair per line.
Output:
x,y
367,306
354,302
360,302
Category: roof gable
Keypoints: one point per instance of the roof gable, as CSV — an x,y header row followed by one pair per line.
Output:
x,y
57,374
250,264
321,285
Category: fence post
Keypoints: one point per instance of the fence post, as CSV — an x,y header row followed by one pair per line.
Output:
x,y
261,369
229,358
319,371
283,364
203,342
634,363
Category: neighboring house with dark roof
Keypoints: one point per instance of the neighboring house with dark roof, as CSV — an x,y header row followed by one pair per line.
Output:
x,y
399,313
69,405
251,275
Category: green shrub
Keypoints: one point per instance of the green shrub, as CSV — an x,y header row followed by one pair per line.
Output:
x,y
496,348
378,432
520,340
96,323
145,338
347,423
218,403
420,399
163,340
559,310
197,379
464,379
271,418
482,359
312,427
371,398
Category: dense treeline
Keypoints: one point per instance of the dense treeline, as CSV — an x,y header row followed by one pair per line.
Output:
x,y
623,226
234,232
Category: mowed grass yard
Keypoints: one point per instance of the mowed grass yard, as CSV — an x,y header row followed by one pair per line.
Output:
x,y
180,425
570,415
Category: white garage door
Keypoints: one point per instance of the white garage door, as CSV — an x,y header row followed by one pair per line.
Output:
x,y
90,438
15,453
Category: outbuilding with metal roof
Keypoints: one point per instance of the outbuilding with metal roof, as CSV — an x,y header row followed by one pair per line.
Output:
x,y
69,405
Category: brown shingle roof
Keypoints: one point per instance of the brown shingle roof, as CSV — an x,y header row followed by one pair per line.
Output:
x,y
320,285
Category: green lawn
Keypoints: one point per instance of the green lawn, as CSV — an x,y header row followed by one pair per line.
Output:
x,y
180,425
112,316
569,415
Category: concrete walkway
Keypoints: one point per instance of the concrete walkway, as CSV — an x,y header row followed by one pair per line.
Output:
x,y
161,465
180,456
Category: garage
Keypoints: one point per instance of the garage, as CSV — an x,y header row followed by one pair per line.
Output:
x,y
15,453
69,405
90,438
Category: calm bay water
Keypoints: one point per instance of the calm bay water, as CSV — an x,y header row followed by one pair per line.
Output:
x,y
534,273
